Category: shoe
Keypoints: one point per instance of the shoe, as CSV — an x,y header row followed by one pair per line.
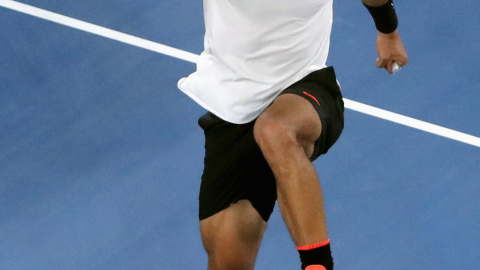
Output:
x,y
316,267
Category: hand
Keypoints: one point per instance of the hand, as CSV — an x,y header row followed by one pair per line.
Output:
x,y
390,49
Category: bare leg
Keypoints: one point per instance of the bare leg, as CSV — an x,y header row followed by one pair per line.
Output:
x,y
232,237
286,133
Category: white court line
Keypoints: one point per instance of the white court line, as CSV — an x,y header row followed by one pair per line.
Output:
x,y
190,57
412,122
99,30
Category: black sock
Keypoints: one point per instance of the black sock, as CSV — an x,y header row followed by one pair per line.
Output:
x,y
316,254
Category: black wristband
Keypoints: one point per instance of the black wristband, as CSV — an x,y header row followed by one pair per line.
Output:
x,y
384,16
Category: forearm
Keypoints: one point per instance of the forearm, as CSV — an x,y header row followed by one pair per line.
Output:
x,y
389,45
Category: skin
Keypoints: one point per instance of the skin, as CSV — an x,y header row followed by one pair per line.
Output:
x,y
390,49
389,46
286,132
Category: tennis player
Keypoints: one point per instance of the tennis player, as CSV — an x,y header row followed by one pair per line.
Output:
x,y
273,108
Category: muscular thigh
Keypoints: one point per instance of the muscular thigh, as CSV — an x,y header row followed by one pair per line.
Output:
x,y
296,115
232,236
313,109
239,222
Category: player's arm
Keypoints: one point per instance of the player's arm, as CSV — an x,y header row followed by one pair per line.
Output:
x,y
389,45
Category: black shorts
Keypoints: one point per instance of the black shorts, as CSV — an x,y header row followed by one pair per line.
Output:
x,y
235,168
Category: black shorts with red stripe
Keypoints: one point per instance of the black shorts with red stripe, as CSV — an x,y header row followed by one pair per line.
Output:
x,y
235,168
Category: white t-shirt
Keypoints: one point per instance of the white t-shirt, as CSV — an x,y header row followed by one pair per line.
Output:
x,y
254,49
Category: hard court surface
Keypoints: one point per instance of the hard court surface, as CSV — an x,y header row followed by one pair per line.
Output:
x,y
101,156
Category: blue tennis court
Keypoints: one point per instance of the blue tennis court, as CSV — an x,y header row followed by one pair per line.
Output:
x,y
101,155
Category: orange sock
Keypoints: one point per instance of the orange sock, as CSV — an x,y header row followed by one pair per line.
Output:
x,y
315,267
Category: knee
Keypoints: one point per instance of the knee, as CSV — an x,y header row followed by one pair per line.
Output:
x,y
274,137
